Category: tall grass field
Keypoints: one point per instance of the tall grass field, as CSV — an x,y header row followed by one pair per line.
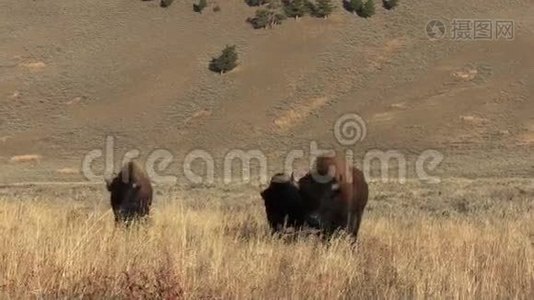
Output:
x,y
477,242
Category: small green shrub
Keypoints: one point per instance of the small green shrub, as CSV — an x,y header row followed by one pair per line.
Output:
x,y
367,10
165,3
352,6
199,7
390,4
227,61
266,18
322,8
296,8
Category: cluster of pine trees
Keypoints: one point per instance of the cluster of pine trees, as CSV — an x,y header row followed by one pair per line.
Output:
x,y
273,12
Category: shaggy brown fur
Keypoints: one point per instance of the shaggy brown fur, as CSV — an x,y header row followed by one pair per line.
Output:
x,y
283,204
337,192
131,193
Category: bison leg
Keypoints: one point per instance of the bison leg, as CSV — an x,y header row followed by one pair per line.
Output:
x,y
314,221
276,222
354,223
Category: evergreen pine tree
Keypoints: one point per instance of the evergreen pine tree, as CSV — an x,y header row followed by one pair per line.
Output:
x,y
200,6
165,3
254,2
323,8
389,4
367,9
227,61
353,5
266,18
296,8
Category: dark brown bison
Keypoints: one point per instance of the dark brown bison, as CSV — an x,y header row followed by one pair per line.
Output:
x,y
131,193
283,204
335,193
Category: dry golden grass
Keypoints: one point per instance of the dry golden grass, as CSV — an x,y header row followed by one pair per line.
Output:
x,y
213,249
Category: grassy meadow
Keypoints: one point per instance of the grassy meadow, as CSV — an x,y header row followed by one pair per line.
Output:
x,y
415,241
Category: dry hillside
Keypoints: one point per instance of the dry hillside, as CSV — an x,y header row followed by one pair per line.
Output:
x,y
74,72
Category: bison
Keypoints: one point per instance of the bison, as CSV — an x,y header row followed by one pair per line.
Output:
x,y
131,193
335,193
283,204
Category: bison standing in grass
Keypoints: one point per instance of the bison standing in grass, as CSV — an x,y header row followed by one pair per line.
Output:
x,y
283,204
336,193
331,197
131,193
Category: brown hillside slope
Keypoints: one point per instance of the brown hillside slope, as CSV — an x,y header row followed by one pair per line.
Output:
x,y
73,72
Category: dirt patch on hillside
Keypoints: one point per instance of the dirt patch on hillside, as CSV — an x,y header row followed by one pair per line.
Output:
x,y
26,158
295,116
